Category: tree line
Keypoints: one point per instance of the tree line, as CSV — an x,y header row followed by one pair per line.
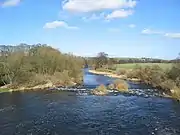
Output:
x,y
30,65
102,59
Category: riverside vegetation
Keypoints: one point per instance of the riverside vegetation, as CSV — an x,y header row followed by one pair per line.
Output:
x,y
118,85
164,76
37,66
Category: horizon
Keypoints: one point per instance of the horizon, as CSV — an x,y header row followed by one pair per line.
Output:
x,y
121,28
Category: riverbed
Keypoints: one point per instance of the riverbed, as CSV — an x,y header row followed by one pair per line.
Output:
x,y
70,113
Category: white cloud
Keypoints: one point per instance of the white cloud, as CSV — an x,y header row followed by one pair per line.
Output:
x,y
96,5
172,35
56,24
132,25
169,35
10,3
149,31
114,30
119,14
165,34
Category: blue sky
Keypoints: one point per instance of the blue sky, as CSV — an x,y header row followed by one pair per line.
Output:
x,y
122,28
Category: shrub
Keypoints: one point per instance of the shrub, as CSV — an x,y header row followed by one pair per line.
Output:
x,y
120,85
100,90
37,79
167,84
176,93
121,72
112,68
132,74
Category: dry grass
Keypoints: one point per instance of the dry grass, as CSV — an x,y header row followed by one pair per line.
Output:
x,y
100,90
120,85
176,93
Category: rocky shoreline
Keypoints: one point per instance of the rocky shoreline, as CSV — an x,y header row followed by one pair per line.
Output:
x,y
46,86
79,88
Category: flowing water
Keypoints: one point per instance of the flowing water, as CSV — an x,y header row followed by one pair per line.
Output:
x,y
68,113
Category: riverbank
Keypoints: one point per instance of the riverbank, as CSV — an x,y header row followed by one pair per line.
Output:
x,y
113,75
124,77
22,88
49,85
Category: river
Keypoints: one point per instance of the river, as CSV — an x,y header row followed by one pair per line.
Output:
x,y
68,113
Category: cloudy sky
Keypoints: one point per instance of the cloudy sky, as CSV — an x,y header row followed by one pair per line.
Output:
x,y
134,28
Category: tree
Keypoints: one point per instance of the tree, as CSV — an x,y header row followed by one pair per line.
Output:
x,y
24,64
101,59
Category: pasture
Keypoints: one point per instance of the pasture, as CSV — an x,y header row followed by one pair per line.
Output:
x,y
134,65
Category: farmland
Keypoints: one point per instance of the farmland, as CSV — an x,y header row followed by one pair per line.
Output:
x,y
134,65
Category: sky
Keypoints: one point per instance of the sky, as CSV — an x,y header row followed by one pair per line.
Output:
x,y
121,28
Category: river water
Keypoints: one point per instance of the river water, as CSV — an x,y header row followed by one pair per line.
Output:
x,y
68,113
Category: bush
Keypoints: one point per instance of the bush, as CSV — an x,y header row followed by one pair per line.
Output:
x,y
167,84
176,93
100,90
37,79
121,72
120,85
113,68
132,74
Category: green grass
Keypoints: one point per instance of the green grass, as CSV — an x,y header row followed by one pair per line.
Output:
x,y
4,90
133,65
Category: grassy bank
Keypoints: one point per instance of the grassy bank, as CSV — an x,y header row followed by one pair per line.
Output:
x,y
165,77
113,74
40,84
2,90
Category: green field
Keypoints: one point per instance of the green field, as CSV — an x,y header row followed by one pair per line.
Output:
x,y
134,65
